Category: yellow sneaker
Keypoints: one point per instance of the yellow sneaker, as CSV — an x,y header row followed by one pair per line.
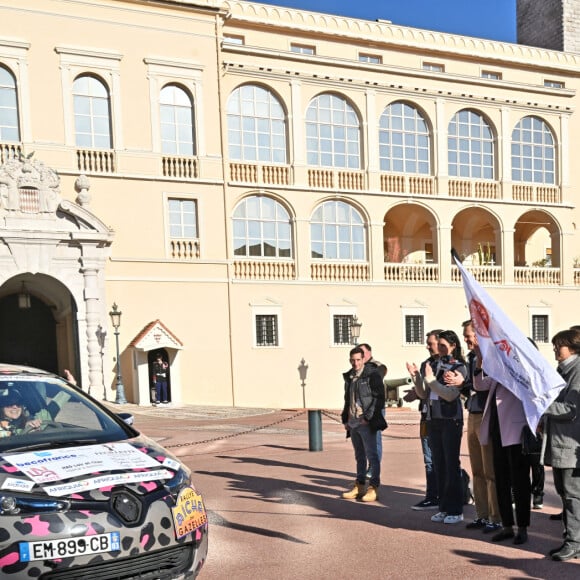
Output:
x,y
372,494
357,490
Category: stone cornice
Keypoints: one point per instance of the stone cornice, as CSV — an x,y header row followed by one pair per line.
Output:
x,y
382,32
358,77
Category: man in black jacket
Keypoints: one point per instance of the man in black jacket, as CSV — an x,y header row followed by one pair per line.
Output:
x,y
364,400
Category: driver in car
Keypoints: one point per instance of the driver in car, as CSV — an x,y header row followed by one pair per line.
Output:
x,y
15,419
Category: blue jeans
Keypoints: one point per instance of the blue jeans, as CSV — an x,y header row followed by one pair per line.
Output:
x,y
445,442
364,443
431,492
161,390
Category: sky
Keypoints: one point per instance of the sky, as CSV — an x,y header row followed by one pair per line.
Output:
x,y
491,19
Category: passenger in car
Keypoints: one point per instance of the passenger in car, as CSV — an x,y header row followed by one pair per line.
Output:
x,y
16,420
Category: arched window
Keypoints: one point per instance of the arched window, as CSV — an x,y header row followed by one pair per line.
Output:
x,y
9,130
262,228
533,152
256,126
176,112
404,143
470,146
332,133
92,113
337,232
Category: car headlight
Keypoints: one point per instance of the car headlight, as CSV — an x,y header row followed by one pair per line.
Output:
x,y
180,480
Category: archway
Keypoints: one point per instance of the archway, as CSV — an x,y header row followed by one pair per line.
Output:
x,y
38,324
28,336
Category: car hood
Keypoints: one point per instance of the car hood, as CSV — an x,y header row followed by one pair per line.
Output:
x,y
90,471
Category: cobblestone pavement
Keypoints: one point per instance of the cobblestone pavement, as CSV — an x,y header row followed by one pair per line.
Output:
x,y
275,509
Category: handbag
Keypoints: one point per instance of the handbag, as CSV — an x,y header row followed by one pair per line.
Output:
x,y
531,442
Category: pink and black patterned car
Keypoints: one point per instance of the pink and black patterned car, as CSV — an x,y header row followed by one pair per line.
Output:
x,y
83,495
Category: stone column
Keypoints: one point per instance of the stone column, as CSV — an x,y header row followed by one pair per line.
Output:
x,y
440,160
504,140
507,255
376,251
90,270
297,136
370,137
445,258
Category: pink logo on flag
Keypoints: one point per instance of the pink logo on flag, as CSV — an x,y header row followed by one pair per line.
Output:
x,y
480,317
504,345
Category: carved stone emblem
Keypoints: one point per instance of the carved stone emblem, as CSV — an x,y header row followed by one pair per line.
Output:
x,y
28,186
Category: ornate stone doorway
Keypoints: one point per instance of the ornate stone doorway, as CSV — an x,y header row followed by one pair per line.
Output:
x,y
58,250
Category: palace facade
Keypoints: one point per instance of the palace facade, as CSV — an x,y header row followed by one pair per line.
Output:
x,y
246,181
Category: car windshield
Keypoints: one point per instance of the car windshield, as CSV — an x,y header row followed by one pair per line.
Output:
x,y
39,411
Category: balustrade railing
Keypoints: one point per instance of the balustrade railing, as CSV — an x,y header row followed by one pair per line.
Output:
x,y
483,274
540,276
264,269
473,188
325,271
536,193
331,179
96,160
258,173
179,167
415,273
400,183
339,271
184,248
10,151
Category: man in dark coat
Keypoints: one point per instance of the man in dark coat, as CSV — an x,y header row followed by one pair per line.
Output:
x,y
364,400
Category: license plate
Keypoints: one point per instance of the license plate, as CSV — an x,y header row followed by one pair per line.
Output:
x,y
56,549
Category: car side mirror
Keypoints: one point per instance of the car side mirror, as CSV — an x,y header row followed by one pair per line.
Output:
x,y
126,418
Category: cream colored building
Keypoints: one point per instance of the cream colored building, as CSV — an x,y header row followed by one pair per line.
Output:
x,y
243,179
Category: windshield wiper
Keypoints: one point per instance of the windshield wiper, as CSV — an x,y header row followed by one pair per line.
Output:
x,y
51,445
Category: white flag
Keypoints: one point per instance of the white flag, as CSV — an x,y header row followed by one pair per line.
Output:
x,y
508,356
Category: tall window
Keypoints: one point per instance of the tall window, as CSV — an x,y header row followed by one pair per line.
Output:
x,y
341,328
332,133
262,228
533,152
256,126
9,130
337,232
414,329
540,329
470,146
92,113
267,330
404,140
182,218
176,112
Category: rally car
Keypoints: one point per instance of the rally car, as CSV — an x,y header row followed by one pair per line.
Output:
x,y
83,495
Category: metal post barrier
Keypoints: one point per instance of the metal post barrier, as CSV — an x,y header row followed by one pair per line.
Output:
x,y
315,430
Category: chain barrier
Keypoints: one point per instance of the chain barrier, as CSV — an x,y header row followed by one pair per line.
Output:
x,y
330,414
338,418
231,435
